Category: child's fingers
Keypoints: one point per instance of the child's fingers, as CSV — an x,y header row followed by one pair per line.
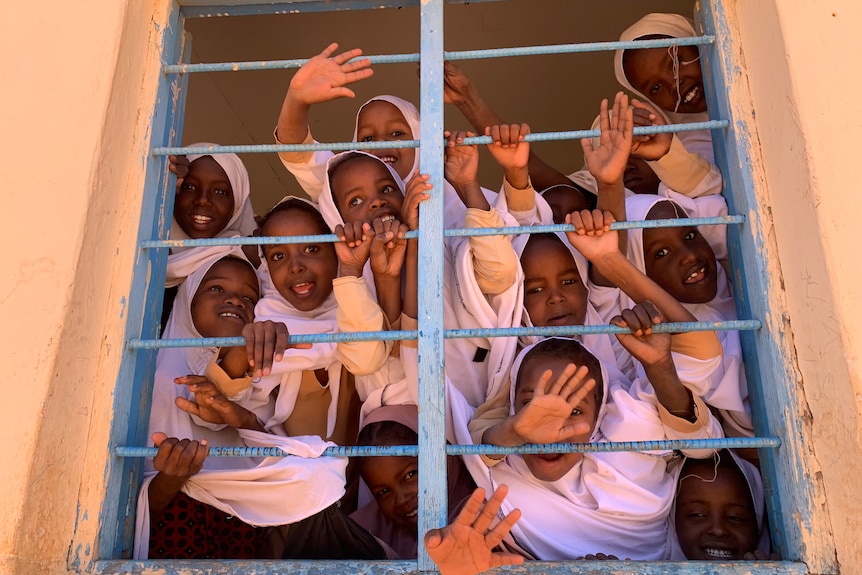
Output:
x,y
587,222
608,218
433,538
187,406
542,384
644,318
329,50
282,336
604,120
253,334
339,231
569,432
577,221
654,313
562,379
191,379
578,377
632,321
158,438
585,386
502,559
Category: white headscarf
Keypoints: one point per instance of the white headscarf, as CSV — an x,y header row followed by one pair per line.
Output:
x,y
183,261
671,25
286,374
260,491
615,503
723,386
755,487
602,344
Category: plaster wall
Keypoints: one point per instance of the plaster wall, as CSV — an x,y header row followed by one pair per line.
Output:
x,y
86,90
803,98
75,130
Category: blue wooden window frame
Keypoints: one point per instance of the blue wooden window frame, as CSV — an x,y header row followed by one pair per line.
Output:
x,y
788,478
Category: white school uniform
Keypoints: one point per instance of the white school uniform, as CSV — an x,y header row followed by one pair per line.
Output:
x,y
755,487
722,385
477,365
615,503
183,261
260,491
360,310
698,142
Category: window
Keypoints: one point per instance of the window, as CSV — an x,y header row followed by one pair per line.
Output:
x,y
767,359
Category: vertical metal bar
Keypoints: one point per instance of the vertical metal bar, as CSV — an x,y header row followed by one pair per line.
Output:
x,y
795,496
432,442
134,381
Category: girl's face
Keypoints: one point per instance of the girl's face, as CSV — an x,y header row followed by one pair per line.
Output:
x,y
225,300
651,72
302,273
679,259
715,517
382,121
554,293
363,189
204,202
394,482
553,466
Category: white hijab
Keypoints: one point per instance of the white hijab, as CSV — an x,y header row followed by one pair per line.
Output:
x,y
755,488
671,25
286,374
183,261
602,344
722,386
616,503
260,491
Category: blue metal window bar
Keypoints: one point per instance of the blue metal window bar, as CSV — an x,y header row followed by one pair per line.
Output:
x,y
138,365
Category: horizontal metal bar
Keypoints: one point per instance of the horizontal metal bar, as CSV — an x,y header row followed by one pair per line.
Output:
x,y
274,148
413,450
457,232
325,567
547,331
456,55
389,144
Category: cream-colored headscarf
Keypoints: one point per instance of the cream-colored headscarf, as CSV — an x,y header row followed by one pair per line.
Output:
x,y
183,261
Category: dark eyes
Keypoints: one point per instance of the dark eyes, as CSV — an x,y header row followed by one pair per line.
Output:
x,y
189,187
690,236
655,89
575,412
367,139
216,288
397,133
411,474
353,202
381,492
276,256
571,281
311,249
534,290
387,190
661,253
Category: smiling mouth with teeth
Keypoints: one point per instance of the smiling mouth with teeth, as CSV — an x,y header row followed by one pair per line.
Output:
x,y
201,219
387,218
692,94
388,159
718,553
696,276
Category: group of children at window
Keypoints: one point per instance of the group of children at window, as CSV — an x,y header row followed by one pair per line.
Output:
x,y
698,504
